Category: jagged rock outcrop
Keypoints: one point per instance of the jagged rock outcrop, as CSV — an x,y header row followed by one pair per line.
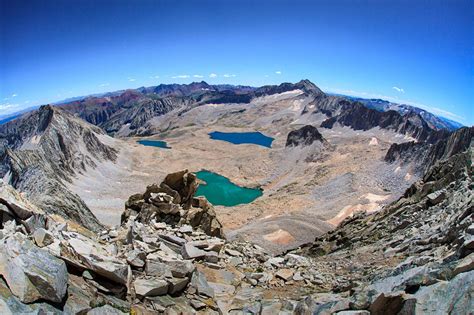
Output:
x,y
304,136
43,150
173,202
418,246
425,155
359,117
31,273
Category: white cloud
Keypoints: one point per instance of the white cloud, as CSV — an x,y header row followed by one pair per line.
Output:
x,y
8,108
155,77
198,76
229,75
266,75
213,75
104,84
400,90
278,72
14,95
27,101
131,79
181,76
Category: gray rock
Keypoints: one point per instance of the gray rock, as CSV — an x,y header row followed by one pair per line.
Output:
x,y
32,273
105,310
177,285
232,252
157,269
199,282
436,197
86,253
285,274
150,287
136,258
188,251
43,237
447,297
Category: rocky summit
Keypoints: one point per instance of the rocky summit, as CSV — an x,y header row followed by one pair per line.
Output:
x,y
362,210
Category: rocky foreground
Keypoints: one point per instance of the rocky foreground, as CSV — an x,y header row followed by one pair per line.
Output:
x,y
169,256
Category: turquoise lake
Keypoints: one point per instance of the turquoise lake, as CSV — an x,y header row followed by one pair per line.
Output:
x,y
219,190
243,137
154,143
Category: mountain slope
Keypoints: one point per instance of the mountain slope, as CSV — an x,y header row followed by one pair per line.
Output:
x,y
43,150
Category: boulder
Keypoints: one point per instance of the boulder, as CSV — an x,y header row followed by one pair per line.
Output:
x,y
199,282
136,258
43,237
32,273
150,287
447,297
188,251
285,274
16,203
85,253
106,310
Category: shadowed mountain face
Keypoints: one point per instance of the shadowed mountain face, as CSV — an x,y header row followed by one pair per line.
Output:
x,y
425,155
43,150
304,136
435,122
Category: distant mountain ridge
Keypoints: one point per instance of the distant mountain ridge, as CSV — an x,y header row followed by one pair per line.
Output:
x,y
131,109
434,121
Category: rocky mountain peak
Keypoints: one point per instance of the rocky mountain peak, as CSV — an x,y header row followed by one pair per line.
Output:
x,y
309,87
304,136
44,150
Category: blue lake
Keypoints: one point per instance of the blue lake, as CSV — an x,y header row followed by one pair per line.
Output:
x,y
243,137
154,143
219,190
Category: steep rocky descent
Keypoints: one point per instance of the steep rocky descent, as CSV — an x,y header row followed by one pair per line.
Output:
x,y
172,202
304,136
43,150
140,267
415,249
425,155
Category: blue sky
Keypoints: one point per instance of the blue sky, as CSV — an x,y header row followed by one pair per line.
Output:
x,y
418,52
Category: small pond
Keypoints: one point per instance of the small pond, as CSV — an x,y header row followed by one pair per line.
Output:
x,y
154,143
219,190
243,137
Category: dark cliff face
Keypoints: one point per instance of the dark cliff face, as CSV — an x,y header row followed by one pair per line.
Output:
x,y
43,151
358,117
304,136
425,155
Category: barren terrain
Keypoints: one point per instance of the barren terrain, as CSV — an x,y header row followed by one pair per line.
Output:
x,y
307,190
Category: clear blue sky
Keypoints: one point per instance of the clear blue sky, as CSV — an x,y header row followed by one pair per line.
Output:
x,y
420,52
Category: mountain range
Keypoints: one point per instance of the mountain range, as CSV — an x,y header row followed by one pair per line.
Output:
x,y
366,205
